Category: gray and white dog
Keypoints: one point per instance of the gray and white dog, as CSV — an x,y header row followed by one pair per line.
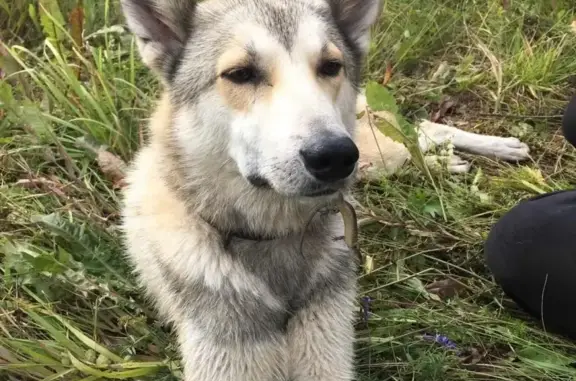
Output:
x,y
254,133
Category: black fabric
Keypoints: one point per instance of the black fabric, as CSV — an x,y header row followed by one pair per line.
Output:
x,y
569,122
531,252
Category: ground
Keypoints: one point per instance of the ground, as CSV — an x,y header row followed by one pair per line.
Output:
x,y
69,307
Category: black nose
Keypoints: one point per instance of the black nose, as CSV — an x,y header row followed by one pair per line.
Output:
x,y
331,159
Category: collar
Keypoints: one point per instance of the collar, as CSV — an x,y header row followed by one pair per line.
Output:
x,y
251,236
341,206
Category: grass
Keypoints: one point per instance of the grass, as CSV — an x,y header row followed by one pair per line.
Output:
x,y
70,107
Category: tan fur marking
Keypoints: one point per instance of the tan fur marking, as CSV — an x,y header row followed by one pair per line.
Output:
x,y
331,85
236,56
332,52
159,128
238,97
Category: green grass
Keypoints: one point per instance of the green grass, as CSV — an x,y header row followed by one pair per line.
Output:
x,y
69,307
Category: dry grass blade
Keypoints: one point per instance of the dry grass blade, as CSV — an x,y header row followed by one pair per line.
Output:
x,y
496,68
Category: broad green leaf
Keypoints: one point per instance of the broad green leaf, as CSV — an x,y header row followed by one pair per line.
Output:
x,y
380,99
417,157
407,128
52,20
389,127
389,130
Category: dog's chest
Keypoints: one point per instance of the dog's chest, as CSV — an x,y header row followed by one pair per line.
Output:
x,y
297,270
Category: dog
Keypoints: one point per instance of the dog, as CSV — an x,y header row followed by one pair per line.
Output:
x,y
228,213
382,156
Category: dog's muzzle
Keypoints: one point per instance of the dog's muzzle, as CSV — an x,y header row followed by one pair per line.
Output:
x,y
331,158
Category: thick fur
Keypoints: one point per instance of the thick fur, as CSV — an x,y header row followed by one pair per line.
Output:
x,y
223,165
220,213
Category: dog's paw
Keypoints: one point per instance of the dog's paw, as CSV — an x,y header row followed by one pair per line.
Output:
x,y
458,165
453,163
509,149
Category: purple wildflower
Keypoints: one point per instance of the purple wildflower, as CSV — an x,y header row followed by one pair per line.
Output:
x,y
442,340
366,302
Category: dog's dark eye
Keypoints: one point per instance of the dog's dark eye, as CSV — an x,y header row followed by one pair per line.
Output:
x,y
330,68
242,75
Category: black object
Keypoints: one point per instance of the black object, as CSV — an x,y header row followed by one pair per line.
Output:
x,y
531,252
569,122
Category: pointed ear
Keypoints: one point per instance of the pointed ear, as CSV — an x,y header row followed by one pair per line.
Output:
x,y
355,18
161,28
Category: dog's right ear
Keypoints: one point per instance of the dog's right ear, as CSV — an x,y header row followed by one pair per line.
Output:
x,y
355,18
161,28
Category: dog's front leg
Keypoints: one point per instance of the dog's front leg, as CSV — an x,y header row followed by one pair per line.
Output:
x,y
507,148
321,339
237,336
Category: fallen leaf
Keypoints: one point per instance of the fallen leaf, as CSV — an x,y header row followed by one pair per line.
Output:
x,y
44,184
113,168
76,21
388,74
446,288
472,357
445,106
574,26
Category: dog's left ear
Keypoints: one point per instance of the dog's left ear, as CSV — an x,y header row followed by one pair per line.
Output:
x,y
355,18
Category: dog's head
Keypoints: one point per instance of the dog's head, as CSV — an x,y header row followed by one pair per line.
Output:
x,y
269,84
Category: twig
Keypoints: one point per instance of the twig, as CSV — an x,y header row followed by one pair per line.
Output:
x,y
516,116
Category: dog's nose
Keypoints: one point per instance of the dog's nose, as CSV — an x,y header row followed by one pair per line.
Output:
x,y
331,159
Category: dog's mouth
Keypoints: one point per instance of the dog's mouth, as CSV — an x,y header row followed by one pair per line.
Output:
x,y
259,182
318,190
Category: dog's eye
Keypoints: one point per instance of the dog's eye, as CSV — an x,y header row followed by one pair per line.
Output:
x,y
330,68
242,75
